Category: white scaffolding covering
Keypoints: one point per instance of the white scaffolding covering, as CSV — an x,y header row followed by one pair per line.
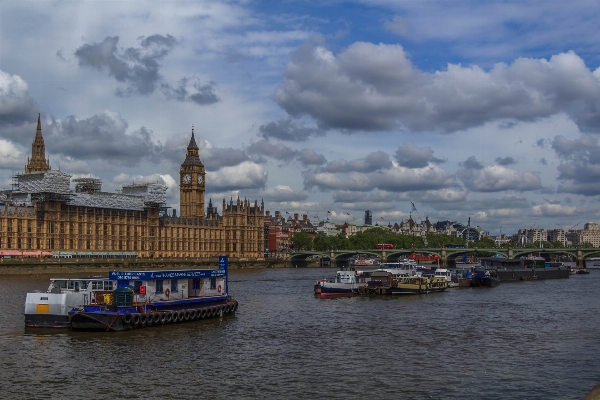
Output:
x,y
153,193
107,200
44,182
56,185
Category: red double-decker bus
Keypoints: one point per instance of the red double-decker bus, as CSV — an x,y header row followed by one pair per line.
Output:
x,y
384,246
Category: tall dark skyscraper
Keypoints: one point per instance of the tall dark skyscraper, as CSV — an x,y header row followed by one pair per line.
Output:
x,y
368,217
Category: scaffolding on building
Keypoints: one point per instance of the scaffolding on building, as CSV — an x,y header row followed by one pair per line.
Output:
x,y
87,185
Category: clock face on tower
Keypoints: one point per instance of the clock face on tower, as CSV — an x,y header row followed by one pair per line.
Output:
x,y
200,179
187,179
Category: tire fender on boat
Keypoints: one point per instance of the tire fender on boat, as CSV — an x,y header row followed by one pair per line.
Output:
x,y
169,317
186,315
203,313
163,318
136,319
143,319
156,318
127,318
193,314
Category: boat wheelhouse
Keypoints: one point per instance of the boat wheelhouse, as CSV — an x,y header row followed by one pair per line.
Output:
x,y
146,298
50,309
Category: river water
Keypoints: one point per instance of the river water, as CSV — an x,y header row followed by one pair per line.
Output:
x,y
525,340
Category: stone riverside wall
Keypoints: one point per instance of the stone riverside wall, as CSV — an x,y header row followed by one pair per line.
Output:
x,y
26,266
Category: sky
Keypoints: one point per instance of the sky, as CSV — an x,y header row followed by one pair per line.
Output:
x,y
480,110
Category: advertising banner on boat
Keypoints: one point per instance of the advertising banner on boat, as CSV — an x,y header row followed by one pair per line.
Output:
x,y
223,262
160,275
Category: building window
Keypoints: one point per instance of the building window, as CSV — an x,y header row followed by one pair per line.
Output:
x,y
159,286
174,285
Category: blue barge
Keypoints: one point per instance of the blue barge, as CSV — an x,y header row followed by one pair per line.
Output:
x,y
155,298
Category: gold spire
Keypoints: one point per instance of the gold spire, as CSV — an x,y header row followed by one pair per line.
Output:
x,y
38,162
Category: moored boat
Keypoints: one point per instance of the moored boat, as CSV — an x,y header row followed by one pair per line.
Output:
x,y
419,285
445,273
157,298
50,309
344,284
484,277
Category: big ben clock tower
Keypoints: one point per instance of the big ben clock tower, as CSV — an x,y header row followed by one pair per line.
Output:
x,y
191,183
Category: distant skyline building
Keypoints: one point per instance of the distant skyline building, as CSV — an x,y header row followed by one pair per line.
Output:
x,y
368,217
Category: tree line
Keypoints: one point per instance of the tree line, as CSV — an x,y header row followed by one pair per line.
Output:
x,y
368,239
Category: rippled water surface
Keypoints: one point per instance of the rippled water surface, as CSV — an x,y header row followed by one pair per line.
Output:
x,y
526,340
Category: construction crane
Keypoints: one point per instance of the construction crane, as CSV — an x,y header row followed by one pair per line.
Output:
x,y
418,221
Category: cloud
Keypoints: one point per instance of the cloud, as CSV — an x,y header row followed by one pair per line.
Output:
x,y
243,176
375,87
412,156
471,163
10,156
310,157
103,136
288,129
498,178
277,151
282,193
553,210
217,158
138,68
580,166
396,179
205,95
397,25
444,195
505,161
375,161
16,105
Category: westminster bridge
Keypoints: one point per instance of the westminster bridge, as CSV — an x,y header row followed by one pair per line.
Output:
x,y
447,255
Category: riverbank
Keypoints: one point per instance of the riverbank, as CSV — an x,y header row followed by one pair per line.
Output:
x,y
35,266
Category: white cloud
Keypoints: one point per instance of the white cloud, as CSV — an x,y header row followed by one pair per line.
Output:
x,y
243,176
497,178
10,156
553,210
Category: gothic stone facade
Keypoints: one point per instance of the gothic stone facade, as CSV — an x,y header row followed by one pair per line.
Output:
x,y
47,216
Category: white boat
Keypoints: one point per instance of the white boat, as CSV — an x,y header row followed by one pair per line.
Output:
x,y
402,268
446,274
50,309
345,283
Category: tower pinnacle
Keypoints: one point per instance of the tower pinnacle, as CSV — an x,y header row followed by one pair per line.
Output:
x,y
38,162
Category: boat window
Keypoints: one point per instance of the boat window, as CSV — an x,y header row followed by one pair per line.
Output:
x,y
159,286
83,285
136,286
173,285
97,285
71,285
108,285
213,283
62,284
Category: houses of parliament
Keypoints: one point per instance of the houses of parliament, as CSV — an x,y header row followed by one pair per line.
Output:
x,y
43,213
